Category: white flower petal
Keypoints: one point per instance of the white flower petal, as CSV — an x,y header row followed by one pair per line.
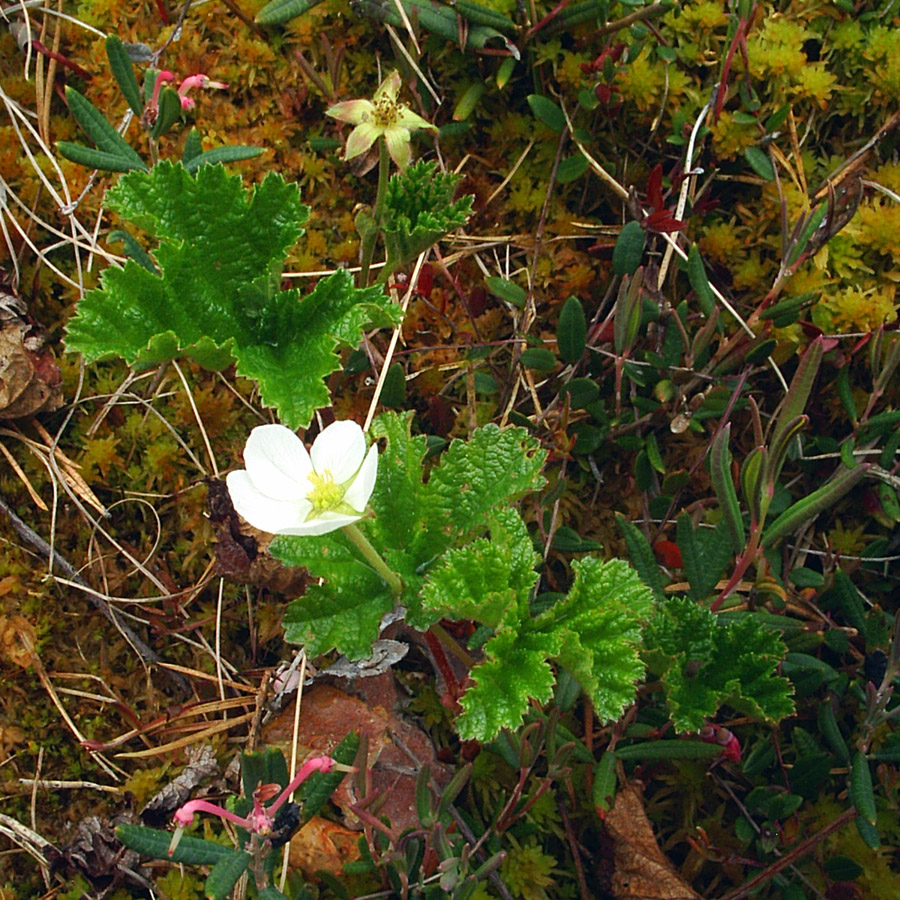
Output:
x,y
352,111
389,88
277,463
261,511
357,495
321,524
361,138
406,118
339,449
397,140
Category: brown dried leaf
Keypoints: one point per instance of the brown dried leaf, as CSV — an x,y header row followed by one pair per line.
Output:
x,y
641,869
30,380
322,846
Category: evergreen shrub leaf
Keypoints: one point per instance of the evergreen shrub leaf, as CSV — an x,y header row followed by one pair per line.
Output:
x,y
217,297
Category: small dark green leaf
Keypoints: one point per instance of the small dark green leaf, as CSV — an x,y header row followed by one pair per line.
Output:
x,y
642,558
279,11
571,168
393,392
155,843
506,290
538,358
760,163
605,778
861,791
571,331
629,249
669,750
700,282
581,392
547,112
133,250
95,126
225,873
843,868
315,791
192,146
168,113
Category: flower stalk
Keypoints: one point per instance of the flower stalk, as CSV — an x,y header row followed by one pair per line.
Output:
x,y
261,819
373,558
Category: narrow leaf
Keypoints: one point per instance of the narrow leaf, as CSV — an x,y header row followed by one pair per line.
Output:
x,y
571,332
605,779
99,130
506,290
192,147
123,71
861,791
700,282
224,874
229,153
168,113
98,159
641,555
760,163
669,750
723,485
279,11
155,843
629,248
133,250
315,791
809,507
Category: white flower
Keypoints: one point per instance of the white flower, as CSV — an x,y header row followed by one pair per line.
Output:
x,y
382,115
285,490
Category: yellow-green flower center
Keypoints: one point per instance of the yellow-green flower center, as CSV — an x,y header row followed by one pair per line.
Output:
x,y
387,111
325,493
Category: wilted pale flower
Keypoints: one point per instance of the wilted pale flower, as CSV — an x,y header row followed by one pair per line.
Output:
x,y
382,115
285,490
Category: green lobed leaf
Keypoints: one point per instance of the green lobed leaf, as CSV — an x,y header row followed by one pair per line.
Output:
x,y
218,295
419,210
514,671
598,625
706,662
494,467
398,496
344,612
489,580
